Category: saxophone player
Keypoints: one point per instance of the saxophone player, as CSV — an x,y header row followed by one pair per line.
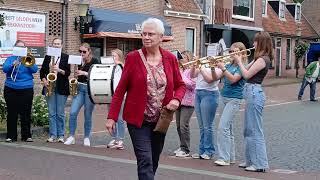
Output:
x,y
57,99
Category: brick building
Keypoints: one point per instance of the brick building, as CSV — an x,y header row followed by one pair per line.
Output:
x,y
310,9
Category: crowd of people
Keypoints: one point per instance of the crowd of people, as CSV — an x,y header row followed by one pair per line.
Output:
x,y
152,80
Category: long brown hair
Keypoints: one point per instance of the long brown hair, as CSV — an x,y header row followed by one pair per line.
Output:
x,y
120,54
88,47
264,45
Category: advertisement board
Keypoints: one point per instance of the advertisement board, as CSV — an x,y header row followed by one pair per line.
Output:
x,y
28,27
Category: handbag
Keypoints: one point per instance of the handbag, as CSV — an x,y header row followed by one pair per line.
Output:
x,y
166,115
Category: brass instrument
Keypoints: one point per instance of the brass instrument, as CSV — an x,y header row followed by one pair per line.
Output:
x,y
73,83
213,61
51,78
27,61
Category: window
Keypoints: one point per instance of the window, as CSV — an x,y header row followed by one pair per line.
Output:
x,y
288,54
298,12
190,40
282,9
264,7
243,9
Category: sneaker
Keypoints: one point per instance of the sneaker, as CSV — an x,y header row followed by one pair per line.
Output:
x,y
29,140
253,169
205,157
70,140
195,156
9,140
313,100
61,140
51,139
182,154
86,142
299,98
119,145
221,162
243,165
177,150
112,144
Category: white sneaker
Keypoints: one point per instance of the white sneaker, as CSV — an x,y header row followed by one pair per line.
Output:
x,y
86,142
205,157
51,139
253,169
177,150
112,144
119,145
243,165
70,140
60,140
182,154
221,162
195,156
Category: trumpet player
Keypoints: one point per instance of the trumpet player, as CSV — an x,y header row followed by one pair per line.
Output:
x,y
56,99
230,101
18,88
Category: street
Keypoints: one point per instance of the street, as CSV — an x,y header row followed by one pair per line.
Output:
x,y
291,129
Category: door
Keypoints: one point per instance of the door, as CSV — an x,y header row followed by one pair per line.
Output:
x,y
288,54
278,57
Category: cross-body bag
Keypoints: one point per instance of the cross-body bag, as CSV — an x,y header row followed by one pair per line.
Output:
x,y
166,115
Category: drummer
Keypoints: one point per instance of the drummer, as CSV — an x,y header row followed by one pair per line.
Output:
x,y
82,98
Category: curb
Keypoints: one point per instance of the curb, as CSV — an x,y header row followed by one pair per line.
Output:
x,y
35,131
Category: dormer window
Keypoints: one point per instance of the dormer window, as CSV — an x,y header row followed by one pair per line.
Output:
x,y
282,7
243,9
298,12
264,7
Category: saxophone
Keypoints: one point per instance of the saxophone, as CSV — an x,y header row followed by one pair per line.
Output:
x,y
51,78
73,83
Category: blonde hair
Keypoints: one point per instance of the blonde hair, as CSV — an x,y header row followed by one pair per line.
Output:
x,y
241,47
120,55
264,45
88,47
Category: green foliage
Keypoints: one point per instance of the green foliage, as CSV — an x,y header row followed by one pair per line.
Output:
x,y
3,108
301,49
39,113
2,23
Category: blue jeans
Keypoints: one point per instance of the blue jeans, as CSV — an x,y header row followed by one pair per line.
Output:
x,y
255,145
82,98
225,137
56,105
119,131
206,103
312,88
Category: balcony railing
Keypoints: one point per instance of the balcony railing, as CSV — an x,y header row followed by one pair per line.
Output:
x,y
221,15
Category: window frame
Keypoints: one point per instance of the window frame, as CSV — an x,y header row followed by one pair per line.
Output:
x,y
296,15
194,39
265,5
282,2
246,18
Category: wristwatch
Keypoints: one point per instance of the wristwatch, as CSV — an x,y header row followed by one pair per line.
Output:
x,y
224,69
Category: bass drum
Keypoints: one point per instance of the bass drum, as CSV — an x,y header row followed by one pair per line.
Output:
x,y
102,82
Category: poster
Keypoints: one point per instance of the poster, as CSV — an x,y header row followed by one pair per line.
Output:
x,y
28,27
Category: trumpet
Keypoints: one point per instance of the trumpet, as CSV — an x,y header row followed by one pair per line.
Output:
x,y
51,77
27,61
213,61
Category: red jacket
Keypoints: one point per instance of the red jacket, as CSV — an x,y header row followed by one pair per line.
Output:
x,y
134,82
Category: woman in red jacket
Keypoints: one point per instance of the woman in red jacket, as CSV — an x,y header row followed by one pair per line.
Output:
x,y
147,91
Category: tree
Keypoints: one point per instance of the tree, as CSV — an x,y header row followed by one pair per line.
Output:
x,y
300,51
2,23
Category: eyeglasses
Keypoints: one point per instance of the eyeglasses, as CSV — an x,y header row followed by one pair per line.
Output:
x,y
148,34
84,52
231,51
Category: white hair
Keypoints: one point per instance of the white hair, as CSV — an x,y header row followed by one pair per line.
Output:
x,y
154,21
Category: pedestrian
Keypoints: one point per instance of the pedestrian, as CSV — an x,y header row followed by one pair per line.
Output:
x,y
206,103
255,146
82,97
57,100
229,104
119,131
152,80
185,111
18,94
310,78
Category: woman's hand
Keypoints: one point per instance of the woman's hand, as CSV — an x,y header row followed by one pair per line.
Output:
x,y
110,126
173,105
81,73
237,58
220,65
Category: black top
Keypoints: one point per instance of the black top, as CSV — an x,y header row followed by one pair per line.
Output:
x,y
258,78
62,83
86,67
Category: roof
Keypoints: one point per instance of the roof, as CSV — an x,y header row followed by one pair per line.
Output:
x,y
274,25
187,6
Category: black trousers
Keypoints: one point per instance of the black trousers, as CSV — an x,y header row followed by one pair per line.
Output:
x,y
147,146
19,102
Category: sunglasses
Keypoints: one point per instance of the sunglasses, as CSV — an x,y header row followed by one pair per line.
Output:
x,y
231,51
84,52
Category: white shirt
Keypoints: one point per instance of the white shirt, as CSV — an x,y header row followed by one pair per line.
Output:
x,y
203,85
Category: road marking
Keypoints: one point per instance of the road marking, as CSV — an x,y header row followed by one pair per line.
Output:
x,y
284,171
126,161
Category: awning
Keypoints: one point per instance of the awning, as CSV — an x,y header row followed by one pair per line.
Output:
x,y
111,23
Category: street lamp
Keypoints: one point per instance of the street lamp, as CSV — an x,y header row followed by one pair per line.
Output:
x,y
84,18
298,33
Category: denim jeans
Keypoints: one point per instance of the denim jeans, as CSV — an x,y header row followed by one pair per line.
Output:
x,y
255,145
82,98
119,131
225,138
183,115
56,104
206,103
312,88
147,145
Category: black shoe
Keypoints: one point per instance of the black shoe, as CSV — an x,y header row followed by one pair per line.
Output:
x,y
313,100
299,98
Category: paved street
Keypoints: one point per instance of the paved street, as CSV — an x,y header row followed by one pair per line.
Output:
x,y
291,130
